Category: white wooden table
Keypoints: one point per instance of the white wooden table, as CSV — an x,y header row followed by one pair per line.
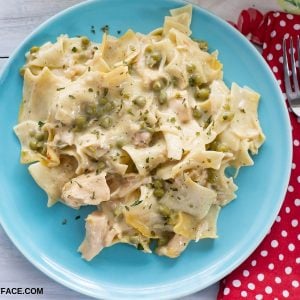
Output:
x,y
17,19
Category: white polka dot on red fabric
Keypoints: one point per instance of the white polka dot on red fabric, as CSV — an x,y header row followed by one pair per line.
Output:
x,y
298,179
270,56
288,270
284,233
294,222
271,266
296,26
290,188
268,290
285,294
236,283
298,237
282,23
259,297
275,69
246,273
251,286
264,253
290,16
244,294
273,34
278,219
291,247
253,263
281,257
286,36
260,277
295,283
226,291
293,166
280,59
279,81
287,210
297,202
278,47
296,143
264,45
274,243
276,14
277,279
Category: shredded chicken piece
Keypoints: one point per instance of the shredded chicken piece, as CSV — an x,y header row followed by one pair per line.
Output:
x,y
174,247
99,234
142,138
86,189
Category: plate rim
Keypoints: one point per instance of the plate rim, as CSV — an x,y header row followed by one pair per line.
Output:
x,y
191,285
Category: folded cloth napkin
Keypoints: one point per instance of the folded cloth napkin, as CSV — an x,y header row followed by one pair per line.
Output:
x,y
273,270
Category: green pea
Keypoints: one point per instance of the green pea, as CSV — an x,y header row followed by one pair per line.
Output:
x,y
163,97
197,113
156,56
157,85
140,101
158,193
33,145
190,68
85,42
195,80
108,107
158,183
34,49
105,122
103,101
80,122
202,94
40,136
91,109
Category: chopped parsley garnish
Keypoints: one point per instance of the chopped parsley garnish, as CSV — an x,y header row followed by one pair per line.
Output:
x,y
41,124
59,89
105,29
77,217
71,96
74,49
136,202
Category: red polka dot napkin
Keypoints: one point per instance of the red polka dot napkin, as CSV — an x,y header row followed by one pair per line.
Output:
x,y
273,270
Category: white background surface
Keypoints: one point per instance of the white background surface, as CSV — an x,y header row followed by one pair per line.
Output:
x,y
17,19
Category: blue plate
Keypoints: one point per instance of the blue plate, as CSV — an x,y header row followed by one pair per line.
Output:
x,y
121,271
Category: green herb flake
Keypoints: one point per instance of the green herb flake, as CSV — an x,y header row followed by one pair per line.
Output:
x,y
136,202
105,29
126,207
77,217
59,89
74,49
71,96
41,124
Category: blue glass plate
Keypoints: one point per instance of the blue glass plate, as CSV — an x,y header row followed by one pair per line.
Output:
x,y
121,271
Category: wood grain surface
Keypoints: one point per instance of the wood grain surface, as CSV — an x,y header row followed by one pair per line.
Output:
x,y
17,19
